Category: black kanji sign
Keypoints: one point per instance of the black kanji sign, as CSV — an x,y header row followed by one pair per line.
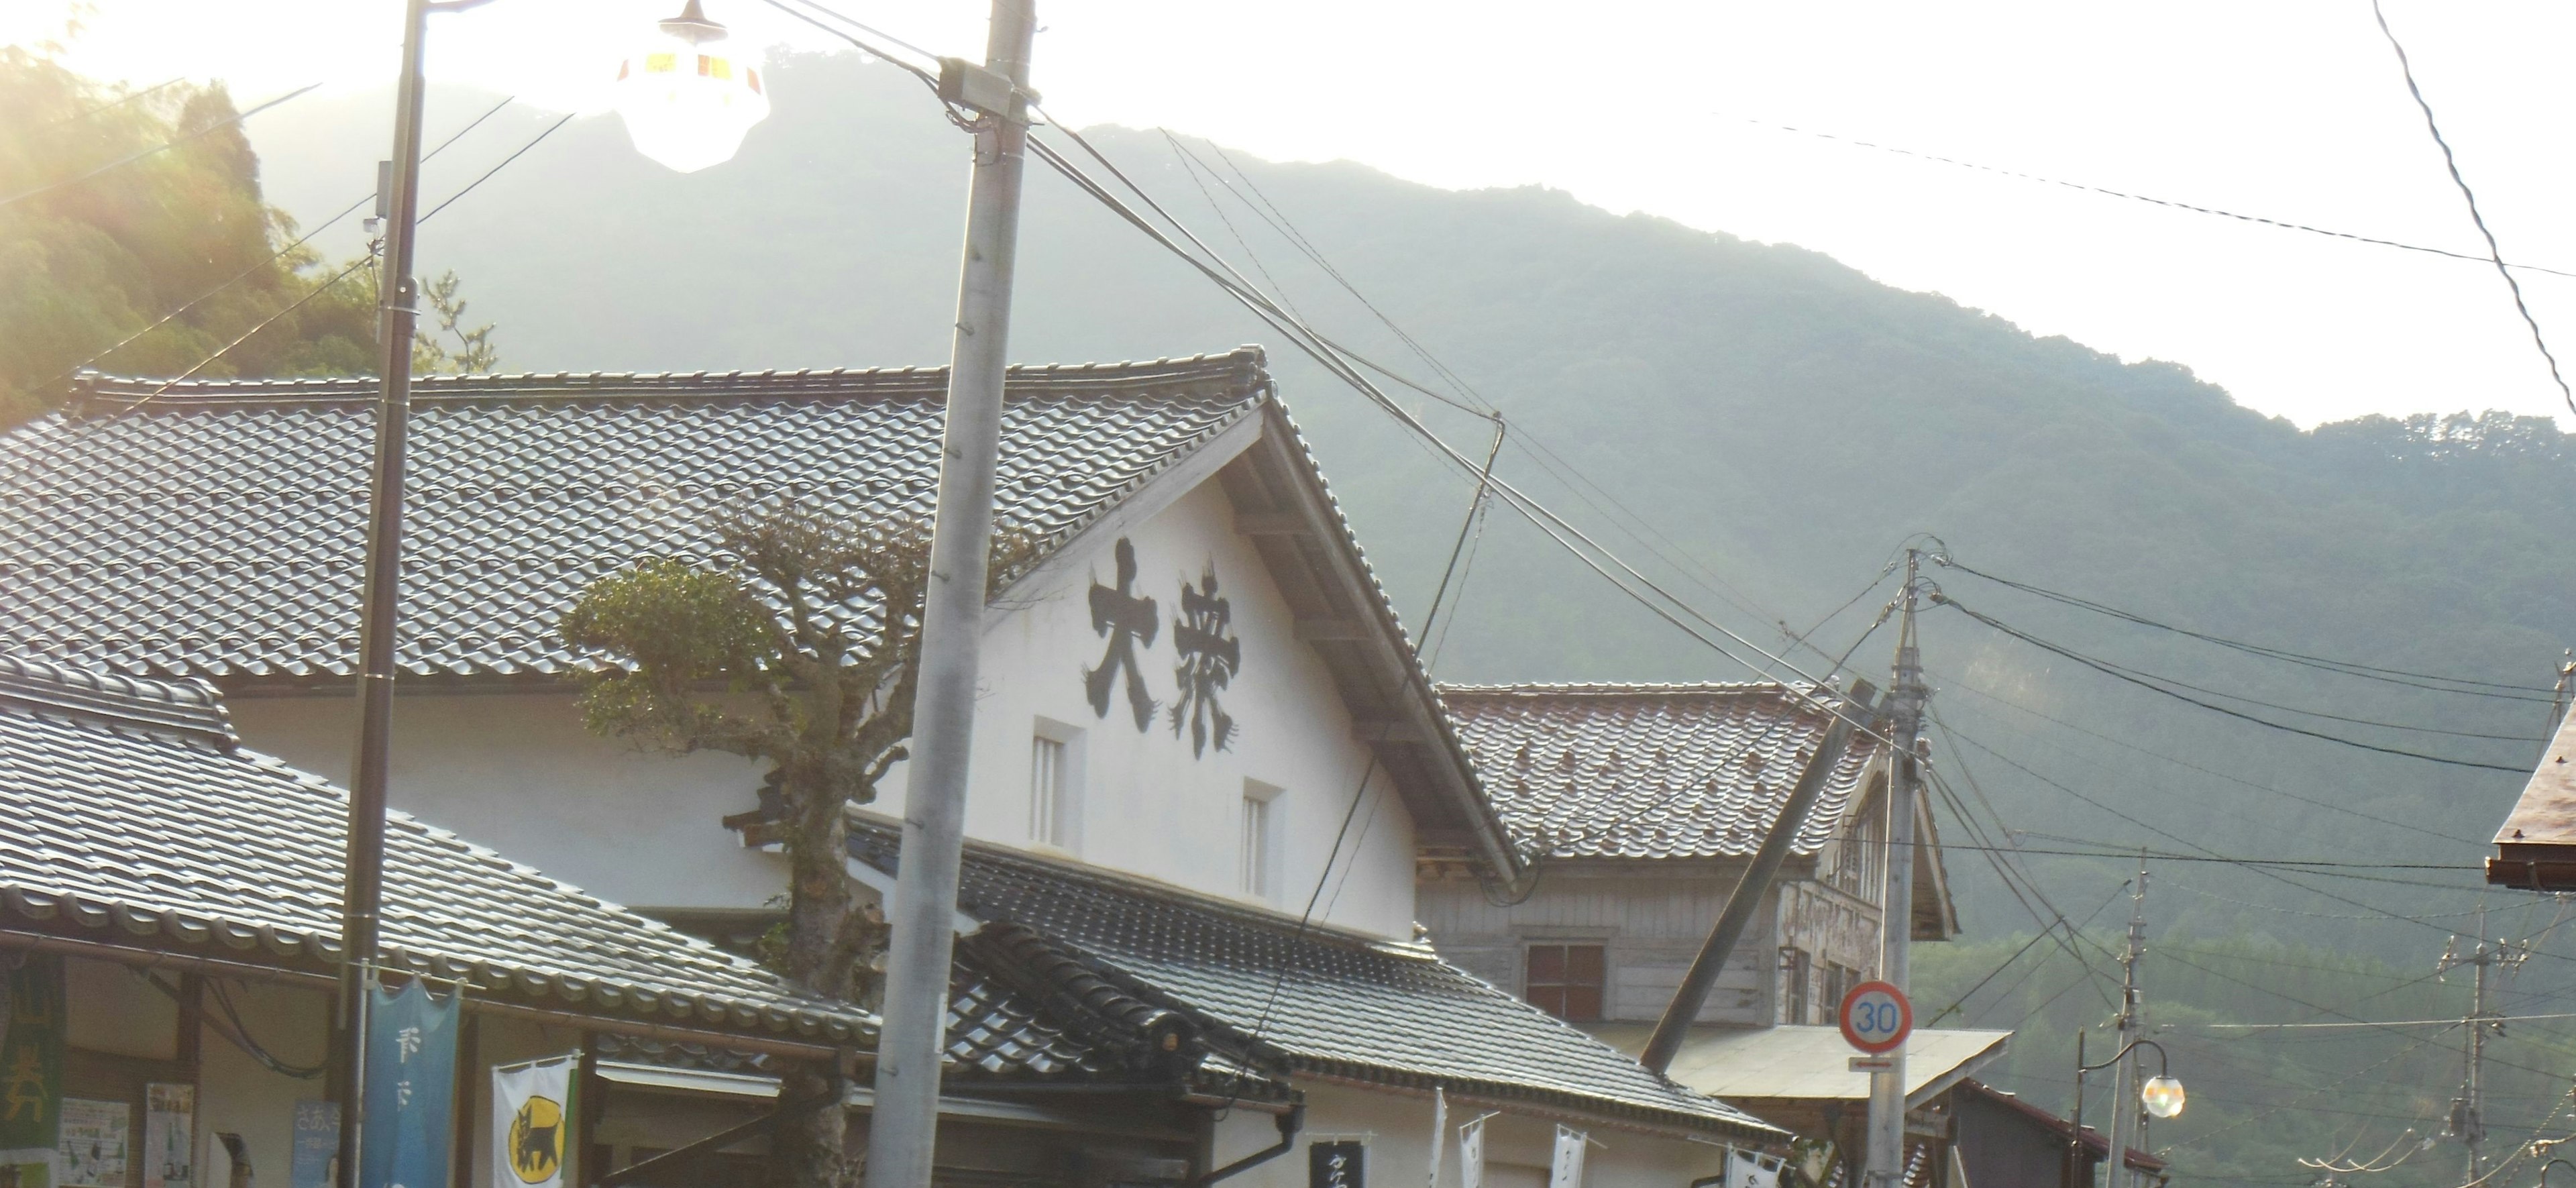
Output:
x,y
1210,656
1341,1164
1129,620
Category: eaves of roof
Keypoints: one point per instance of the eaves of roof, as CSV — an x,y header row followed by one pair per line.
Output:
x,y
123,835
1265,987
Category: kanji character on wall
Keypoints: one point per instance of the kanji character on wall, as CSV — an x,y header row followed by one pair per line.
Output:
x,y
1209,659
1128,620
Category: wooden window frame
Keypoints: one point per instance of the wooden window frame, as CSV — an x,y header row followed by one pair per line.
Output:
x,y
1568,980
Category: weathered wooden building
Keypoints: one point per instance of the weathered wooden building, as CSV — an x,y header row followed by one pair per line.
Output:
x,y
1645,802
2535,848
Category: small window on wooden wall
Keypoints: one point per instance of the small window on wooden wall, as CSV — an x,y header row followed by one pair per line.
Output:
x,y
1567,980
1795,972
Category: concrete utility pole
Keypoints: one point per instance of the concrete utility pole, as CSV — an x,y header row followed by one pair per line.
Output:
x,y
1896,923
363,862
2124,1079
2467,1123
905,1121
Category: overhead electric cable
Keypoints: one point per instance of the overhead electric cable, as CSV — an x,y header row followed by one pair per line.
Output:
x,y
1578,544
2451,162
2165,202
1949,683
317,290
117,102
2394,676
2145,683
273,257
165,146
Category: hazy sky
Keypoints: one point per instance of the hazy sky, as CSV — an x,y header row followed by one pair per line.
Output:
x,y
2289,110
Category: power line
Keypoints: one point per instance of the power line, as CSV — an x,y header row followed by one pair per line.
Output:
x,y
2318,802
1591,553
274,257
318,289
2145,682
2394,676
2452,162
111,104
131,158
2287,709
2165,202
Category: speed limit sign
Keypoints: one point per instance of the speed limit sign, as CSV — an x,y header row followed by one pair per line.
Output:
x,y
1876,1018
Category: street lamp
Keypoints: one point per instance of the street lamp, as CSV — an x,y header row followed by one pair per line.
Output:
x,y
2161,1096
690,114
688,111
686,101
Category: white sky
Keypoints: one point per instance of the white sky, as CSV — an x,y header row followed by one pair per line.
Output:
x,y
2289,109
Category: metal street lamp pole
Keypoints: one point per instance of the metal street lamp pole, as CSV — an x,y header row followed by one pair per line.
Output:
x,y
905,1119
362,887
2162,1096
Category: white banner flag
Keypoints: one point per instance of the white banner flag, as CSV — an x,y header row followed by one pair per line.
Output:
x,y
1566,1169
532,1123
1439,1130
1471,1154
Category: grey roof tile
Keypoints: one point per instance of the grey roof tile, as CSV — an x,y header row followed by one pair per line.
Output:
x,y
1325,1001
217,529
115,820
1650,771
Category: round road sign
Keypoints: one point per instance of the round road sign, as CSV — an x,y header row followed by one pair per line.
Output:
x,y
1876,1018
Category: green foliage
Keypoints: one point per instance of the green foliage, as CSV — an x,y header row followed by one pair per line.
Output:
x,y
183,234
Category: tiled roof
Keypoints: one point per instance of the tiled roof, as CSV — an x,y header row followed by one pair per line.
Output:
x,y
128,816
1650,771
1324,1001
216,529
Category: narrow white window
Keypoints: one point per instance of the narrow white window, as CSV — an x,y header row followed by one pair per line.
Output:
x,y
1050,781
1258,843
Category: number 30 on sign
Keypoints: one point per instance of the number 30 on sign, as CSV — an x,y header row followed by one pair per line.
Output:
x,y
1876,1018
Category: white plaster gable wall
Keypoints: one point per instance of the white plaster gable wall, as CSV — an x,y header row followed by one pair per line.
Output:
x,y
519,773
1396,1127
1148,804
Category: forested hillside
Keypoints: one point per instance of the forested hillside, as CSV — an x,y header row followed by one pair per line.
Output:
x,y
1759,426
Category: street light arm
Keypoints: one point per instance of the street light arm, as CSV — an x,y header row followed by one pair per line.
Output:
x,y
2163,1065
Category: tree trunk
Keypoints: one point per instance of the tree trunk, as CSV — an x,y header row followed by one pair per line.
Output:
x,y
821,952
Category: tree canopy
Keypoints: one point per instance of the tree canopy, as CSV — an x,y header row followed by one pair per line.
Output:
x,y
121,255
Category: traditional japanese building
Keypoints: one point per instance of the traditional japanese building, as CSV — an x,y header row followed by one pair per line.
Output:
x,y
1642,806
1206,752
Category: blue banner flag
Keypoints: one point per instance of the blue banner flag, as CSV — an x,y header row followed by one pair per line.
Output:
x,y
405,1137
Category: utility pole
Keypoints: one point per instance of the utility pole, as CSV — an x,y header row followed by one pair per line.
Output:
x,y
1896,906
2124,1079
904,1122
363,862
2467,1123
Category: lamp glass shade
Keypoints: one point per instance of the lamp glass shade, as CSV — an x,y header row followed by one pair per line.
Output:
x,y
687,103
2162,1096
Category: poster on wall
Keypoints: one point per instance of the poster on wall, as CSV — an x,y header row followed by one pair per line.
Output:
x,y
316,1145
1341,1163
91,1152
169,1136
31,1068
